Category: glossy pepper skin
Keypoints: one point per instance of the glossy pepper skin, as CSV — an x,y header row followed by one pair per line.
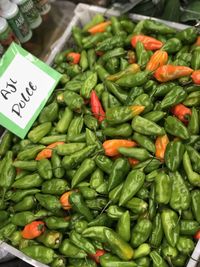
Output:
x,y
195,197
157,231
176,128
148,42
141,232
180,197
70,250
163,187
119,247
40,253
177,149
175,96
158,261
170,226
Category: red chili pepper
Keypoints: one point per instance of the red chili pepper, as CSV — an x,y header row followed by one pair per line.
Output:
x,y
149,43
158,59
73,58
47,152
167,73
133,161
33,230
196,77
97,255
161,144
96,107
111,146
182,112
197,235
101,27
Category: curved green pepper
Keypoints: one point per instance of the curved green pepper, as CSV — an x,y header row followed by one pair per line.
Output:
x,y
141,232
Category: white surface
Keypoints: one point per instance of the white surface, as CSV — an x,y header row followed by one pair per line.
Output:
x,y
3,25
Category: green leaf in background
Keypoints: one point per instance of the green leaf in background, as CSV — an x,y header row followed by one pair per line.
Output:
x,y
171,10
191,12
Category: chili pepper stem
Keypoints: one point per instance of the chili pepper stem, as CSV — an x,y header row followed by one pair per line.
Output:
x,y
108,203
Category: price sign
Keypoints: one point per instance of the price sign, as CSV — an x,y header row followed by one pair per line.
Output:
x,y
26,83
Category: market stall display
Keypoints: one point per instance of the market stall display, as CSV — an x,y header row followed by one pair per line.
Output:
x,y
109,172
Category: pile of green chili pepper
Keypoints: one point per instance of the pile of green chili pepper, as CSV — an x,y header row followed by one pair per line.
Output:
x,y
109,174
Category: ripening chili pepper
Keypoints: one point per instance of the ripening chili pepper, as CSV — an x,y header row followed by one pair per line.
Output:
x,y
181,112
33,229
97,255
196,77
47,152
111,146
64,200
158,59
167,73
149,43
73,57
197,235
161,144
101,27
96,107
133,161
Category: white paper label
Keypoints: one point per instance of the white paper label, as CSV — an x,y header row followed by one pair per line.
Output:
x,y
23,87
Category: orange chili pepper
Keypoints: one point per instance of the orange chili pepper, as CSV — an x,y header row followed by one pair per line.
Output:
x,y
167,73
161,144
111,146
73,58
47,152
33,230
64,200
196,77
101,27
133,161
149,43
97,255
182,112
158,59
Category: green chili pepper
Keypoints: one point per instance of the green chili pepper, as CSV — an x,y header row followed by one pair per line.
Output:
x,y
96,178
113,88
185,245
180,197
54,223
136,205
92,40
7,230
193,177
96,204
102,72
177,149
155,115
100,220
95,232
18,195
91,122
73,85
80,226
131,80
114,194
49,202
143,262
118,246
143,193
28,182
142,251
49,113
158,261
157,27
144,141
193,125
123,226
141,232
58,262
7,175
51,239
115,212
47,140
144,100
86,168
27,203
195,196
120,169
104,163
64,122
108,260
79,205
76,158
98,18
193,99
84,60
138,153
58,170
133,183
188,35
55,187
40,253
170,226
36,134
172,45
157,231
82,243
5,143
142,55
88,85
194,157
23,218
146,127
69,149
162,89
189,227
25,165
112,65
175,96
163,187
175,127
73,100
110,43
45,169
